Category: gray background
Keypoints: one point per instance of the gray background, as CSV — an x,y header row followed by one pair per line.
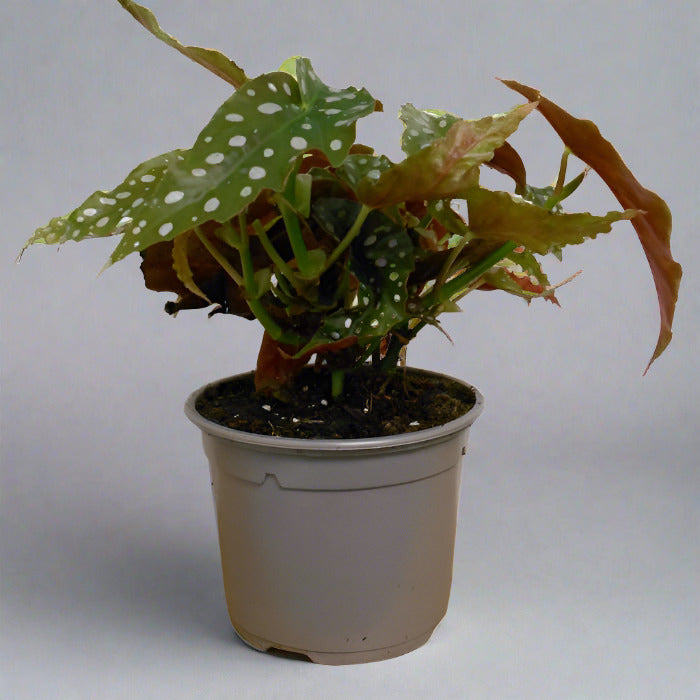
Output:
x,y
577,566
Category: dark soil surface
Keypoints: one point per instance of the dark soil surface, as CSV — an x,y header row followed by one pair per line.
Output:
x,y
373,404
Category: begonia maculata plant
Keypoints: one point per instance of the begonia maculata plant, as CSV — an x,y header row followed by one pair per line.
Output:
x,y
277,214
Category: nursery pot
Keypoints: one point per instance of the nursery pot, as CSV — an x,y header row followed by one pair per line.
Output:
x,y
338,550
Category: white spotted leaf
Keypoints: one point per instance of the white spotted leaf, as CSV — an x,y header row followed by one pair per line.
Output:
x,y
251,143
446,167
381,260
422,127
356,167
108,213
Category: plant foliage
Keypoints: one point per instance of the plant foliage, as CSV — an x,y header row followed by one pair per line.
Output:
x,y
276,213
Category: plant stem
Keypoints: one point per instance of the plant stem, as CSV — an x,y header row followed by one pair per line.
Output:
x,y
252,299
337,380
461,282
275,256
296,239
454,253
246,260
247,282
400,339
349,236
562,171
216,254
265,320
565,191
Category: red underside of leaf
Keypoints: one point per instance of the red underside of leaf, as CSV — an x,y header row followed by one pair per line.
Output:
x,y
507,160
653,223
277,363
526,284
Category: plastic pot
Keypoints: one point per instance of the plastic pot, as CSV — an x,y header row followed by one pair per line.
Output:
x,y
339,550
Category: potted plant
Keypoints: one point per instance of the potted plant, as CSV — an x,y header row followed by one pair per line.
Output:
x,y
335,468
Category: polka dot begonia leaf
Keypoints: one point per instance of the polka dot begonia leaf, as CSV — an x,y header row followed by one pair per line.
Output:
x,y
359,166
251,143
109,213
422,127
382,260
444,167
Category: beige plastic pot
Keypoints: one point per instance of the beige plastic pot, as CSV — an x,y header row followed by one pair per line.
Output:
x,y
340,550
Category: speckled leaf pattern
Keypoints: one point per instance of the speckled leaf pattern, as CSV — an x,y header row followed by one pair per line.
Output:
x,y
502,217
382,259
422,127
109,213
448,166
275,213
251,143
356,167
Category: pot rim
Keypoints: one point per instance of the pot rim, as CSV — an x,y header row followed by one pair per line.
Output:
x,y
418,437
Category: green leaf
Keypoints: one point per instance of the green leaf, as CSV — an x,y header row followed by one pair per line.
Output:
x,y
250,144
109,213
357,167
290,66
302,193
316,261
500,217
422,127
212,60
381,261
445,215
262,281
540,196
448,166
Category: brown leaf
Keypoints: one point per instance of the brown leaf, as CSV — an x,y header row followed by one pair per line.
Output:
x,y
278,363
210,59
508,161
653,224
160,276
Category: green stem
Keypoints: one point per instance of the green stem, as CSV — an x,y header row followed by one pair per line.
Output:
x,y
275,256
265,320
461,282
291,222
337,380
562,171
246,259
254,303
454,253
349,236
259,311
565,191
217,255
400,339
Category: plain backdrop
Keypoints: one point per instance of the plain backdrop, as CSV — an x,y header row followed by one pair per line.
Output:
x,y
577,570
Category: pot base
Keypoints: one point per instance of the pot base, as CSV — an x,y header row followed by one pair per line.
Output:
x,y
334,658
